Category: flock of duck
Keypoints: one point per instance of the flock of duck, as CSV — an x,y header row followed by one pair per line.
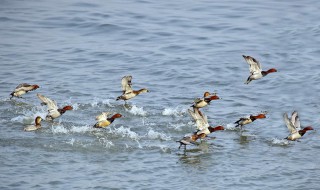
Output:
x,y
202,125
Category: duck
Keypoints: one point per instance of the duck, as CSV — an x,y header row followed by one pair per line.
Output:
x,y
36,126
294,126
22,89
189,140
202,124
207,98
255,69
127,91
103,120
246,120
53,110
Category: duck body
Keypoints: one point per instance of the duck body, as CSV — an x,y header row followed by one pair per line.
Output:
x,y
294,126
207,98
189,139
34,127
22,89
247,120
53,110
255,69
127,91
104,121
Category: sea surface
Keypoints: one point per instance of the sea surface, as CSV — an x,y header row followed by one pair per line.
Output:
x,y
77,52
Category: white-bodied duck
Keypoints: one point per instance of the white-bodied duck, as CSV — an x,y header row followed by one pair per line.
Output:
x,y
22,89
103,120
294,127
53,110
36,126
202,102
255,69
127,91
246,120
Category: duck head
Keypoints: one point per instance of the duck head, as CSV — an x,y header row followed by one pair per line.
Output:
x,y
65,108
206,94
117,115
217,128
143,90
35,86
38,120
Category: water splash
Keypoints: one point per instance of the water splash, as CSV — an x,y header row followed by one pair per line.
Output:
x,y
125,132
73,129
59,129
157,135
137,111
231,127
281,142
178,111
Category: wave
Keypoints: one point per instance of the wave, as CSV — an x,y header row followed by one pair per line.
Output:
x,y
280,142
134,110
177,111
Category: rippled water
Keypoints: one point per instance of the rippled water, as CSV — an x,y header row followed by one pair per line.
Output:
x,y
78,51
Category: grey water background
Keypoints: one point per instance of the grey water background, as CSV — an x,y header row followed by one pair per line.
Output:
x,y
78,51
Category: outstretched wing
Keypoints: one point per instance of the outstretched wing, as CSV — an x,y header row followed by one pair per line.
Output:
x,y
52,105
254,65
126,84
103,116
289,124
295,120
200,119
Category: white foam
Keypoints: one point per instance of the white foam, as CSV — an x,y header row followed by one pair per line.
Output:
x,y
137,111
231,127
125,132
276,141
29,116
177,111
178,126
157,135
59,129
72,140
105,142
81,129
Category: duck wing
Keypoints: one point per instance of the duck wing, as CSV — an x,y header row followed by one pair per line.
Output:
x,y
295,120
103,116
289,124
52,105
126,84
200,119
23,86
254,65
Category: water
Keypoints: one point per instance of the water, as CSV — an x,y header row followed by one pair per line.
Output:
x,y
78,51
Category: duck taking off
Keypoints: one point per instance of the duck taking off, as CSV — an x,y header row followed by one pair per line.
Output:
x,y
103,120
293,125
53,110
127,91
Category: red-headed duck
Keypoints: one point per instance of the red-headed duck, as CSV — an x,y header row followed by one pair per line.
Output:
x,y
202,102
36,126
294,126
103,120
246,120
53,110
255,69
22,89
127,91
